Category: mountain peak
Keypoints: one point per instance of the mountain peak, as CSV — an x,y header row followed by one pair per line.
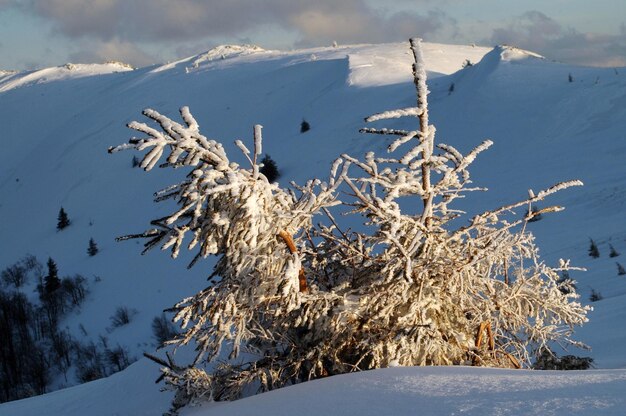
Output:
x,y
512,53
224,52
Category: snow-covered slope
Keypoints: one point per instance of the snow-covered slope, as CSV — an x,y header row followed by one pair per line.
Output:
x,y
59,122
386,392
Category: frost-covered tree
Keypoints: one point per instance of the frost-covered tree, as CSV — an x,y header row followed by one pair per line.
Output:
x,y
290,302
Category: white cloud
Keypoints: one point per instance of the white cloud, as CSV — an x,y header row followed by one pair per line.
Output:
x,y
111,50
165,20
539,33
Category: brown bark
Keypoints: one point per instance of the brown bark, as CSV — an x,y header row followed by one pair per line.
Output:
x,y
288,239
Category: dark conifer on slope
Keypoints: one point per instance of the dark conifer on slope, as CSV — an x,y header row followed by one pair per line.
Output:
x,y
593,249
51,281
63,219
269,169
92,250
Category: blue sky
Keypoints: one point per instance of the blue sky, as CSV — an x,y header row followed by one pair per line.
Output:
x,y
40,33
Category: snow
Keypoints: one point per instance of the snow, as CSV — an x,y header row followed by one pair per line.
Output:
x,y
67,71
394,391
440,391
58,123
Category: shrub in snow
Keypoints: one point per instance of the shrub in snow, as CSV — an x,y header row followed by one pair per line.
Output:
x,y
91,362
118,358
593,249
304,126
269,168
293,302
92,249
163,329
63,219
74,289
122,316
613,252
548,360
620,269
15,275
19,273
595,296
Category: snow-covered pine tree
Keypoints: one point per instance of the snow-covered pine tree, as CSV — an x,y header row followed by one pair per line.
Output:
x,y
304,302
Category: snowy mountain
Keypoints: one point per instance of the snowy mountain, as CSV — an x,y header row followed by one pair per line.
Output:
x,y
550,122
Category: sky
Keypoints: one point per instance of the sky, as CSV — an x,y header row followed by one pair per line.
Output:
x,y
43,33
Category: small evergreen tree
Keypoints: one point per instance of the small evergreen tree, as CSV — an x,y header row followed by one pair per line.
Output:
x,y
92,250
269,169
451,89
595,296
566,284
63,219
593,249
613,252
620,270
135,162
304,126
51,281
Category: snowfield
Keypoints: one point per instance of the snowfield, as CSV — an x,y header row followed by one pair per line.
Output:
x,y
395,391
59,122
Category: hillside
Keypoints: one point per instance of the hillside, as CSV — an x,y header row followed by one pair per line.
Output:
x,y
60,121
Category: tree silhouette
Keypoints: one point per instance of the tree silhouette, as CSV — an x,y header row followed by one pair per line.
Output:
x,y
92,250
63,219
51,281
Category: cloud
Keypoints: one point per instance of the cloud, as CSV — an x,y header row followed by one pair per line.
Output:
x,y
111,50
317,27
539,33
165,20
